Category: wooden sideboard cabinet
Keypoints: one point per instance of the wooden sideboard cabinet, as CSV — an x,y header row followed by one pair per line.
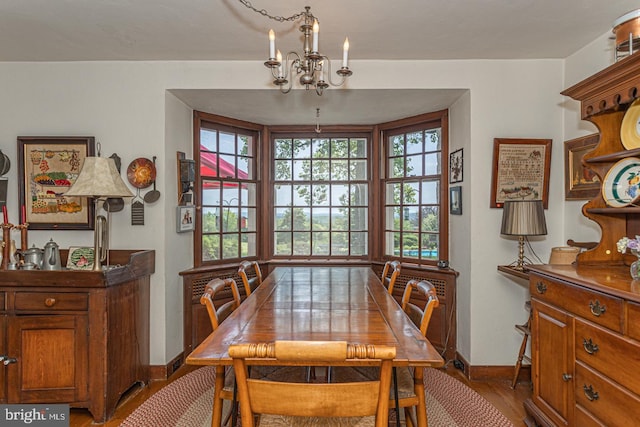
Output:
x,y
76,337
585,346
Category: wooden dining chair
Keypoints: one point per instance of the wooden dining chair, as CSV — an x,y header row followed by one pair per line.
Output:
x,y
216,316
250,282
420,315
403,378
390,274
288,403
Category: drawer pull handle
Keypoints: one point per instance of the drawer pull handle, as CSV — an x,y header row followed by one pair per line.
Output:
x,y
590,393
541,287
50,302
589,346
597,309
9,360
566,377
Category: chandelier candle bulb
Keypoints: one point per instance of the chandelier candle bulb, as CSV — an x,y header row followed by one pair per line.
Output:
x,y
272,44
345,52
279,59
316,31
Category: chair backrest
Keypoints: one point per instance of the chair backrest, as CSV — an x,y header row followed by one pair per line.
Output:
x,y
217,315
420,316
250,283
302,399
390,274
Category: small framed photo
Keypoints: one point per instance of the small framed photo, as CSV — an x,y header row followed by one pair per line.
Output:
x,y
581,183
80,258
455,200
185,218
455,166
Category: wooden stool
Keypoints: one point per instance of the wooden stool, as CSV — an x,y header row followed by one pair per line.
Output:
x,y
526,331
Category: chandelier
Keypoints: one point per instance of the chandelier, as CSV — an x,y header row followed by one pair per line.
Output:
x,y
312,67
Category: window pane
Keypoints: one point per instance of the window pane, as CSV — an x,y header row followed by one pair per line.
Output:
x,y
339,219
410,246
358,170
433,140
230,219
301,195
321,219
358,147
340,149
227,143
211,192
411,219
302,243
430,219
248,194
210,220
248,244
245,146
340,195
245,170
320,195
320,148
339,170
359,243
396,145
283,219
249,220
283,244
209,139
396,167
430,245
359,194
210,247
320,243
432,164
411,192
302,219
393,193
340,244
414,143
283,170
430,192
282,195
320,170
359,219
414,166
302,148
302,170
230,246
227,166
283,149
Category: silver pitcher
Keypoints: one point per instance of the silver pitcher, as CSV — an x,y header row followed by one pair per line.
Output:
x,y
33,257
51,257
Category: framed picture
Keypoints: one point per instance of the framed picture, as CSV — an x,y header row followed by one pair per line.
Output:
x,y
80,258
455,166
47,167
455,200
580,182
185,218
520,170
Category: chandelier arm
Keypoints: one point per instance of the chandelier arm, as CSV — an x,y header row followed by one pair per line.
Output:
x,y
343,77
264,12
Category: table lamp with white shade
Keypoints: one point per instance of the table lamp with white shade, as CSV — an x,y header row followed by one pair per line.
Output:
x,y
99,179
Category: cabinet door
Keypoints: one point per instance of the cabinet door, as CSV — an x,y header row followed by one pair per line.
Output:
x,y
3,352
52,359
552,362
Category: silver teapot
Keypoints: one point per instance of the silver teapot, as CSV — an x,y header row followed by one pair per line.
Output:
x,y
51,257
33,257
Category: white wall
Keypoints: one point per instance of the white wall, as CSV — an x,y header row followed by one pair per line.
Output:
x,y
124,104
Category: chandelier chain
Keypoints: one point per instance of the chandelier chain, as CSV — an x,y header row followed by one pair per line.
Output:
x,y
264,12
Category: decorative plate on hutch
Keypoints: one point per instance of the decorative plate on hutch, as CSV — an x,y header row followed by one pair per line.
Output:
x,y
621,186
630,128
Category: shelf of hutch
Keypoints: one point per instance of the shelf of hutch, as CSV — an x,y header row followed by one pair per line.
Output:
x,y
614,157
76,337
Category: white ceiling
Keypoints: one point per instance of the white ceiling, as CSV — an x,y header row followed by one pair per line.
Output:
x,y
91,30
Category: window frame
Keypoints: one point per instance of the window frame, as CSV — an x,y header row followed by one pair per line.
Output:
x,y
437,119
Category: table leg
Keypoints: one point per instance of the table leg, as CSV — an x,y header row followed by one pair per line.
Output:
x,y
216,418
418,386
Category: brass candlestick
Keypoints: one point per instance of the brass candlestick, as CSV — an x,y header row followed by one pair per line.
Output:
x,y
6,242
24,245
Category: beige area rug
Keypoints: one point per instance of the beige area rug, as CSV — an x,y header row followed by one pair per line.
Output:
x,y
187,402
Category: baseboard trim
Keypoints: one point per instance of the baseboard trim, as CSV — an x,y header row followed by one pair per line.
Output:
x,y
162,372
493,372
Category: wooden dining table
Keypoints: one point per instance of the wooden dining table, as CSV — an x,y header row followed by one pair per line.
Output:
x,y
320,303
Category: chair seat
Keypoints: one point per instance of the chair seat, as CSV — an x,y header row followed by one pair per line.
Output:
x,y
360,373
288,421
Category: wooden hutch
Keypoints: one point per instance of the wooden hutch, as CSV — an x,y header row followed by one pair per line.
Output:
x,y
586,317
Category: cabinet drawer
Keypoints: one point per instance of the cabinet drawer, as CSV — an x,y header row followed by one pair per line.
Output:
x,y
51,301
633,320
611,354
604,399
594,306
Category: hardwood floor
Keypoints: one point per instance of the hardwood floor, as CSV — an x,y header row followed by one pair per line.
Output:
x,y
499,393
